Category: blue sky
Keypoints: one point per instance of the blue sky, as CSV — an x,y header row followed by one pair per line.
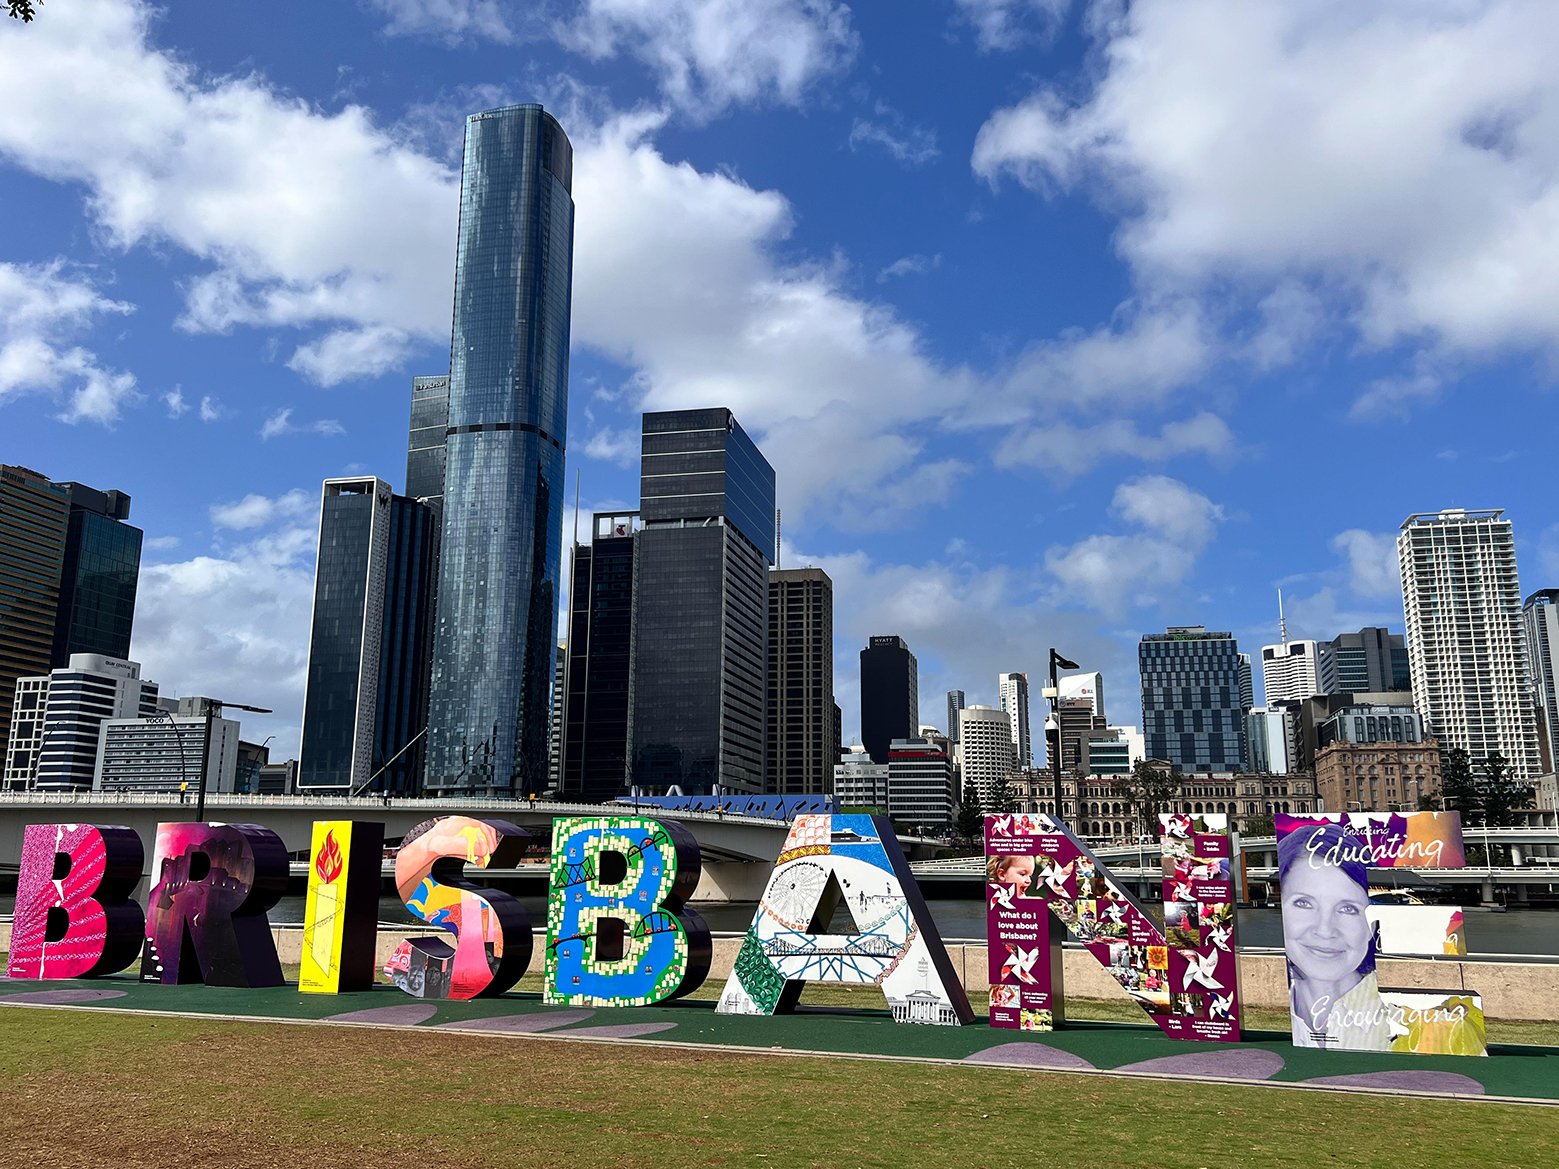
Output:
x,y
1060,322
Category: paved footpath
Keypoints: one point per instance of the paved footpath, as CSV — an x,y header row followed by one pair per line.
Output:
x,y
1511,1073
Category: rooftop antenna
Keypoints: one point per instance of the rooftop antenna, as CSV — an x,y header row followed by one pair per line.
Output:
x,y
1282,623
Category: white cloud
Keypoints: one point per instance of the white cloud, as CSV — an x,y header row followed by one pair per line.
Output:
x,y
1007,24
708,55
908,143
281,423
234,625
1404,159
1371,561
42,309
304,219
352,353
209,410
965,623
1143,357
258,511
1064,451
449,20
1109,572
915,265
679,280
620,445
177,406
161,543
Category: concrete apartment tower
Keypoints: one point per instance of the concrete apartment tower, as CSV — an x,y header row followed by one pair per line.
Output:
x,y
1462,602
1012,692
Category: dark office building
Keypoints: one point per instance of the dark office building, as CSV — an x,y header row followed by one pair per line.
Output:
x,y
600,639
1372,660
1078,722
33,520
890,695
425,441
101,568
803,742
701,605
955,703
1193,713
366,700
501,548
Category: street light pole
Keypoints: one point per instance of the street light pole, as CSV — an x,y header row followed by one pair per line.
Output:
x,y
1057,663
212,705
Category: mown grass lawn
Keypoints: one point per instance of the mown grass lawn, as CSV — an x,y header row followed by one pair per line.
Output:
x,y
90,1089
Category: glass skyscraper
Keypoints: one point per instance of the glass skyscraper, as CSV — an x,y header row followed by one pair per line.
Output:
x,y
366,701
1193,713
499,560
99,576
890,694
701,605
600,642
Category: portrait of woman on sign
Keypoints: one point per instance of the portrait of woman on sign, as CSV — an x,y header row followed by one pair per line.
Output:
x,y
1330,943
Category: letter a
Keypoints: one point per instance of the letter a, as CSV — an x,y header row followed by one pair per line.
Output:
x,y
857,859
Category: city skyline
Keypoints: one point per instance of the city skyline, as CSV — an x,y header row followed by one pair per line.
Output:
x,y
1036,318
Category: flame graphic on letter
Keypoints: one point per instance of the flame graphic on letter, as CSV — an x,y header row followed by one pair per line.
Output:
x,y
328,863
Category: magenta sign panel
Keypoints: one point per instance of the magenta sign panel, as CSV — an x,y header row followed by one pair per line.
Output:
x,y
1043,884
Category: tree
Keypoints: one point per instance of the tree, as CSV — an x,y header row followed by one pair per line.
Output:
x,y
1456,783
1498,794
1261,824
969,821
23,10
1149,789
1002,799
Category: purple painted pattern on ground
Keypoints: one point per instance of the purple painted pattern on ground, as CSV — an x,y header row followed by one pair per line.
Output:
x,y
521,1024
63,996
621,1031
403,1015
1229,1064
1405,1081
1030,1055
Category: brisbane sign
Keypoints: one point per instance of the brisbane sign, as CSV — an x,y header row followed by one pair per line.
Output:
x,y
619,931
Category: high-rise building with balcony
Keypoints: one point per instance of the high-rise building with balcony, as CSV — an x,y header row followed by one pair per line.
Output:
x,y
699,708
986,751
59,717
1540,623
501,544
1290,670
1462,601
1012,692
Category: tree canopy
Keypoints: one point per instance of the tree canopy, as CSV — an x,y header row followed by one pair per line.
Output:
x,y
1149,789
1498,793
23,10
969,823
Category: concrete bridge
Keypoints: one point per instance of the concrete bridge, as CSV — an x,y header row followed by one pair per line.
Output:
x,y
1533,850
738,851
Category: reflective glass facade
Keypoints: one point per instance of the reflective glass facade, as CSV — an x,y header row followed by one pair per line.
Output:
x,y
600,638
97,584
503,482
425,441
1192,711
366,697
33,517
701,599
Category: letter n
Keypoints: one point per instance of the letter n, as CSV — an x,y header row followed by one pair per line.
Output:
x,y
74,917
1185,977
